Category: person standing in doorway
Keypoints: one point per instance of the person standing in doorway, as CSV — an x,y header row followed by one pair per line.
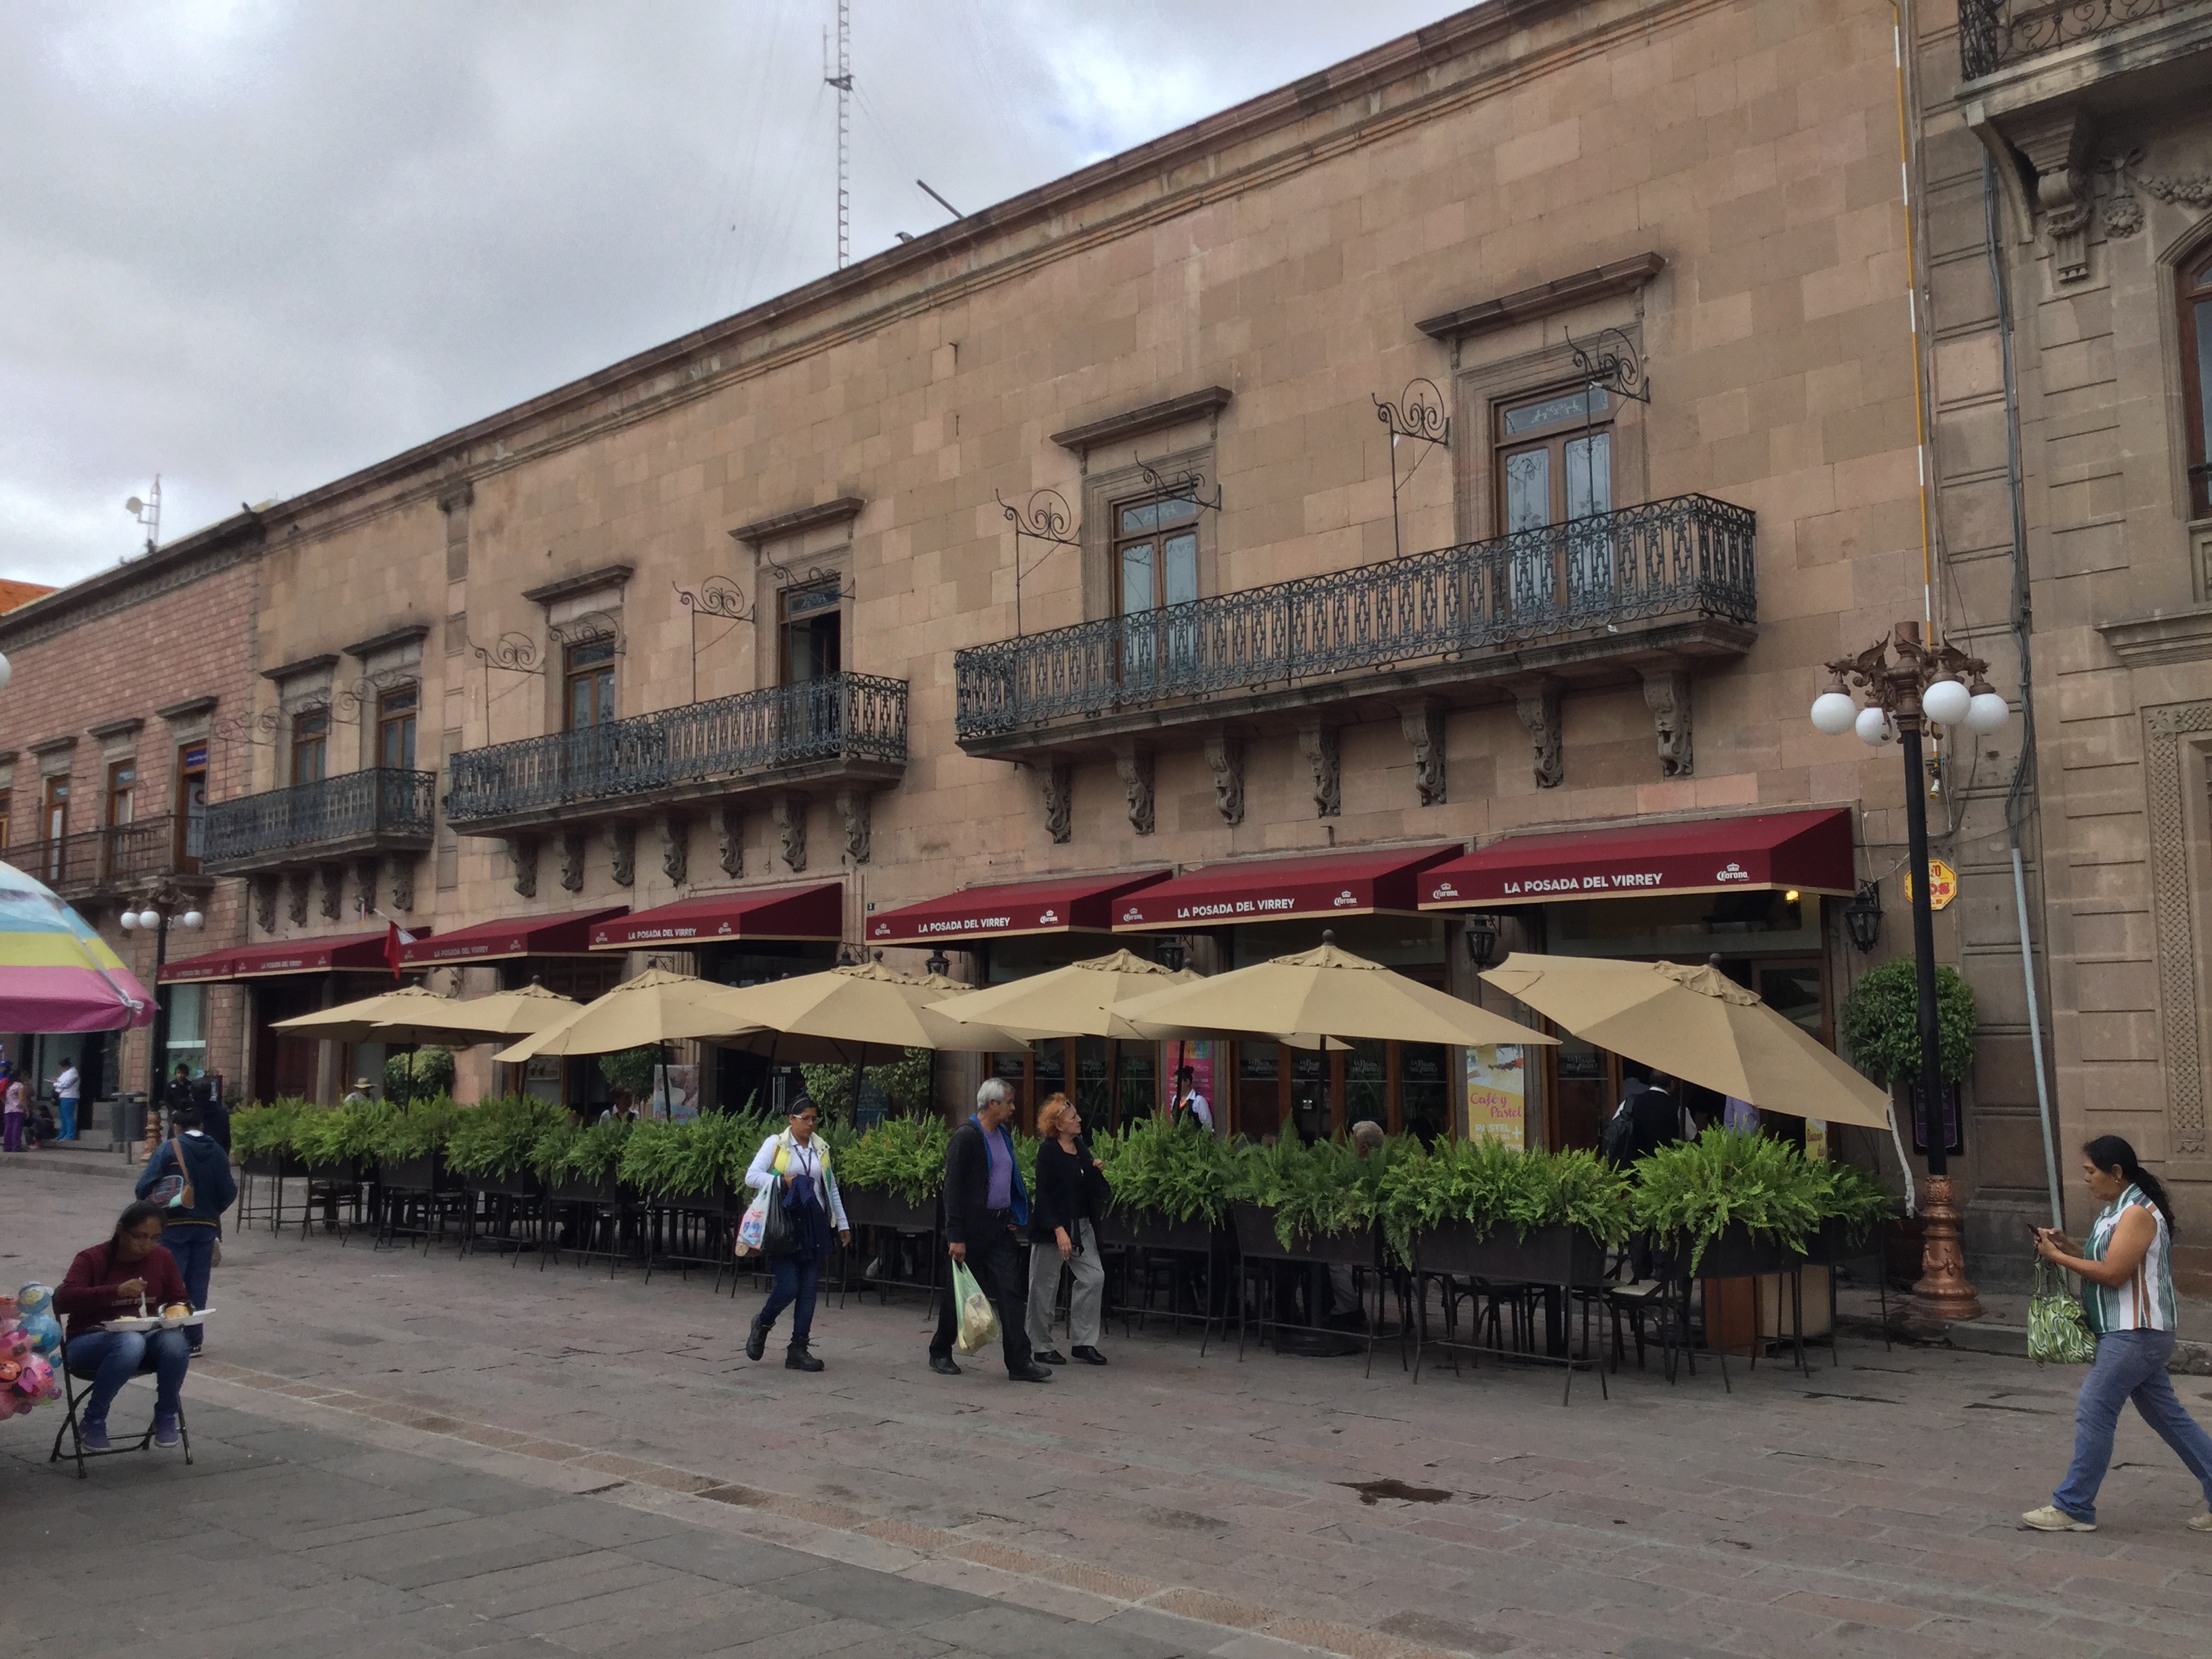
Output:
x,y
1071,1195
984,1209
68,1087
1189,1107
2127,1291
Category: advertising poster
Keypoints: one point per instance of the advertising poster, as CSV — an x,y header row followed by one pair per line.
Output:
x,y
676,1092
1497,1094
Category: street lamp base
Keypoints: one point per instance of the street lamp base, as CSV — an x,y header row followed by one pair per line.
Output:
x,y
1943,1293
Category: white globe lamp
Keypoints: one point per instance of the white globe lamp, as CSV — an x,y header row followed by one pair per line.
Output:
x,y
1834,712
190,919
1946,702
128,921
1987,712
1873,727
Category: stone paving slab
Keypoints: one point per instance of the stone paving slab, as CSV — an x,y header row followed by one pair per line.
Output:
x,y
1169,1497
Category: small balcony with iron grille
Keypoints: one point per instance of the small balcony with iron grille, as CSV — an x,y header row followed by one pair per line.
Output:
x,y
1995,35
355,815
840,732
118,862
1596,598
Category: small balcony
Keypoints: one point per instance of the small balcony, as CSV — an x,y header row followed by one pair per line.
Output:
x,y
1995,34
356,814
115,862
838,729
1591,598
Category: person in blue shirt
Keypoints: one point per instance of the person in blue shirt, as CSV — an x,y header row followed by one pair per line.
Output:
x,y
985,1212
194,1219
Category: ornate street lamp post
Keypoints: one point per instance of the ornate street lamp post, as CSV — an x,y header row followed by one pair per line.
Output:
x,y
160,913
1906,684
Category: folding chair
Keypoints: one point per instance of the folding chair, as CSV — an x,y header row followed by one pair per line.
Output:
x,y
74,1430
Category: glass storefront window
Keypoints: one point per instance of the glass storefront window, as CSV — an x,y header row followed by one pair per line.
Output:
x,y
1366,1083
1259,1089
1684,926
187,1029
1425,1103
1139,1082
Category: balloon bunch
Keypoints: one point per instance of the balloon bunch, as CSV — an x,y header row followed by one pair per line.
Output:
x,y
30,1348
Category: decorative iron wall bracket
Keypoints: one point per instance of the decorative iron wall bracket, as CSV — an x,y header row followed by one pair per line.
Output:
x,y
717,597
1418,414
1045,517
1610,362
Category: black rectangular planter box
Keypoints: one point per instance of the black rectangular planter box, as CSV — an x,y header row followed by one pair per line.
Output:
x,y
1738,1253
1837,1243
282,1165
522,1184
872,1207
1146,1230
1256,1237
426,1174
586,1192
1557,1255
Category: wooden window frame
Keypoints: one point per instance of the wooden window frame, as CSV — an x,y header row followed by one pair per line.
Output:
x,y
311,734
125,794
834,585
596,670
1118,542
2192,292
1553,437
180,792
389,718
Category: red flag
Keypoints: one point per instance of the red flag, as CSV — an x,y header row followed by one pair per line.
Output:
x,y
393,939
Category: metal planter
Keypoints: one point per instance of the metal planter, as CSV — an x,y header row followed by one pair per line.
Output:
x,y
1256,1237
1557,1254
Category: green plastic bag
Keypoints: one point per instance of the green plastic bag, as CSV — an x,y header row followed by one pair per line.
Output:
x,y
979,1321
2057,1329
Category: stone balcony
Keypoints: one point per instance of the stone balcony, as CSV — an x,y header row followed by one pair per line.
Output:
x,y
843,734
1645,591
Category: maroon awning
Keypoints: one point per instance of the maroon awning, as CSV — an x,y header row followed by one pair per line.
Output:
x,y
1283,890
1809,851
1061,904
281,955
566,935
815,911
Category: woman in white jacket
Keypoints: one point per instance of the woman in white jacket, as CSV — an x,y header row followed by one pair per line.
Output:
x,y
810,1202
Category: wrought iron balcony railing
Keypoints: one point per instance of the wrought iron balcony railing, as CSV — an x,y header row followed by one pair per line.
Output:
x,y
380,807
841,717
1995,33
113,860
1687,555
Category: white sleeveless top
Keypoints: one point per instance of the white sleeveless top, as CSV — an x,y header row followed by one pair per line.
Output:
x,y
2146,1302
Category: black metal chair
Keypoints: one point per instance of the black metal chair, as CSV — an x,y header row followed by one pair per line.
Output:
x,y
73,1428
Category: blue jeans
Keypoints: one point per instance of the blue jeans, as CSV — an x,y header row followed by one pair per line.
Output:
x,y
797,1277
194,1249
2131,1365
108,1360
65,1116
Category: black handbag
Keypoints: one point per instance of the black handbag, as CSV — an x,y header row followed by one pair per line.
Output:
x,y
778,1236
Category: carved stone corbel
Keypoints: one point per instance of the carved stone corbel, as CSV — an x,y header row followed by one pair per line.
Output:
x,y
265,902
1133,766
1056,779
729,825
788,813
1323,750
1666,695
365,873
621,851
571,844
1224,755
857,807
400,877
2056,145
1424,725
675,847
333,897
297,886
522,856
1538,705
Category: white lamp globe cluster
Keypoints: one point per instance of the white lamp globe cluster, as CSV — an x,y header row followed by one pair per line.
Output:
x,y
149,918
1946,701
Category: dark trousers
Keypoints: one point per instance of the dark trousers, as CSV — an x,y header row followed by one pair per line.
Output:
x,y
797,1277
194,1249
997,1264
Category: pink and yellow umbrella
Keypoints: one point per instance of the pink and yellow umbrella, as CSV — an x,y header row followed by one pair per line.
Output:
x,y
55,974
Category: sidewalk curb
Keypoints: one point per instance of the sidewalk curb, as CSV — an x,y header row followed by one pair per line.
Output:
x,y
73,1163
1984,1336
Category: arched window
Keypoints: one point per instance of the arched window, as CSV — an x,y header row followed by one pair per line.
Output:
x,y
2195,297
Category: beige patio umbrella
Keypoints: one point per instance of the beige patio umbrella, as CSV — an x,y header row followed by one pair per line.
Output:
x,y
457,1024
844,1010
1699,1024
657,1006
358,1022
1083,998
1327,990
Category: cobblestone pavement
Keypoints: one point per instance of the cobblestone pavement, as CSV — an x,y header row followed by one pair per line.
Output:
x,y
448,1413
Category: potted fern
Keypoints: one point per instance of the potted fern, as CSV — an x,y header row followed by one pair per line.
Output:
x,y
261,1138
409,1146
1481,1209
890,1176
1736,1203
490,1145
1315,1203
1171,1186
581,1165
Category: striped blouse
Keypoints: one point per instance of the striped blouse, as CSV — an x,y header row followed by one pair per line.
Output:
x,y
2146,1302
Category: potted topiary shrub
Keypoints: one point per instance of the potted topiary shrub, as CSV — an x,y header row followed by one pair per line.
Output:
x,y
1880,1025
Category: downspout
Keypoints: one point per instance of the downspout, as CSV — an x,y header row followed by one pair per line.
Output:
x,y
2022,619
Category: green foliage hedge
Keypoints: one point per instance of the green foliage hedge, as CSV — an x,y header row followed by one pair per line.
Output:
x,y
1881,1023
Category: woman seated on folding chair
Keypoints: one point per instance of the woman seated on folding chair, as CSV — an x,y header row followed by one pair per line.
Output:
x,y
110,1281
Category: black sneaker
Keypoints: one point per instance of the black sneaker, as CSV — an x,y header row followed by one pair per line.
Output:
x,y
796,1358
756,1340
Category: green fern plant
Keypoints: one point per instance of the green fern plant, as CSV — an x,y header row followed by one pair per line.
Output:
x,y
1488,1185
264,1131
903,1156
1182,1173
1694,1190
494,1139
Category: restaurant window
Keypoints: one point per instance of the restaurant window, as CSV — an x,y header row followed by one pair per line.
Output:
x,y
122,784
192,796
311,746
4,805
589,670
812,636
2195,298
187,1034
395,727
1259,1102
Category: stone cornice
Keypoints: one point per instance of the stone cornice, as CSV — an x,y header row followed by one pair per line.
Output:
x,y
303,667
1545,300
608,576
404,635
182,562
1152,417
2166,636
122,728
843,510
186,709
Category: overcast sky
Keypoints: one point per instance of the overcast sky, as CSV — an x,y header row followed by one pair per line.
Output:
x,y
253,246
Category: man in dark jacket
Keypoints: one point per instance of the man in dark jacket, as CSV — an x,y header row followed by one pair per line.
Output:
x,y
191,1228
984,1209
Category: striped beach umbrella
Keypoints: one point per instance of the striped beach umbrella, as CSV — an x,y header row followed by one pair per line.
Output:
x,y
55,974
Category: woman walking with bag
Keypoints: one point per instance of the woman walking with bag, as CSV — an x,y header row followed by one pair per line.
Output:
x,y
1071,1193
2127,1292
792,1170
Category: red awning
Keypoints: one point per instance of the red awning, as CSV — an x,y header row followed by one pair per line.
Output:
x,y
1067,904
281,955
814,911
1283,890
1809,851
513,936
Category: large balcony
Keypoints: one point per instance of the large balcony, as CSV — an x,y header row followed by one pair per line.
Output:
x,y
1593,599
843,727
1994,34
115,862
377,811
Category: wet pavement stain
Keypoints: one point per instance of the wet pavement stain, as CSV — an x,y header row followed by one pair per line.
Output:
x,y
1373,1492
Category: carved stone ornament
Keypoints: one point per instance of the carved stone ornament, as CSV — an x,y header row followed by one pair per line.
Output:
x,y
1323,750
856,806
675,848
2056,145
333,895
1057,779
1666,695
297,884
729,826
400,877
1538,708
2167,783
264,902
364,885
1133,766
621,851
571,842
1424,725
1224,756
788,813
522,855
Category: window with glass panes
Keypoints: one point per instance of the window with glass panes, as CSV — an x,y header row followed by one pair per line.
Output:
x,y
395,727
2196,320
1554,473
122,786
311,745
588,670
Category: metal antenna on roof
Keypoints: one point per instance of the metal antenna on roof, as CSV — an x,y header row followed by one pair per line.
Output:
x,y
842,80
